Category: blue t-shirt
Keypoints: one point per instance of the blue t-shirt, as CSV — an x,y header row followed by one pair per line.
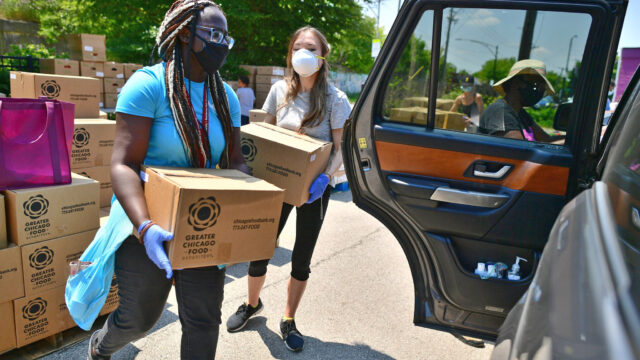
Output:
x,y
145,95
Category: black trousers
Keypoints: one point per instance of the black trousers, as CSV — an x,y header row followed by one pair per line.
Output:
x,y
143,290
308,224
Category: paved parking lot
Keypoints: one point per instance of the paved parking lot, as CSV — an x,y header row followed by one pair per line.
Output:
x,y
358,304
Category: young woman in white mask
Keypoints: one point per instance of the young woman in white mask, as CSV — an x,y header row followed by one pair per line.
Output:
x,y
305,102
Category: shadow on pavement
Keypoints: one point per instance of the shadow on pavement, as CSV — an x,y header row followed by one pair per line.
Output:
x,y
280,258
343,196
314,348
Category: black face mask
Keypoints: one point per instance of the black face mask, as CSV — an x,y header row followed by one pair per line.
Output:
x,y
212,56
531,94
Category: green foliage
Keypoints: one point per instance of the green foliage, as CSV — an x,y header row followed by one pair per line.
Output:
x,y
453,94
4,82
18,10
37,51
261,28
502,69
543,116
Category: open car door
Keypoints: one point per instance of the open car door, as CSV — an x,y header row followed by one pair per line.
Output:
x,y
452,195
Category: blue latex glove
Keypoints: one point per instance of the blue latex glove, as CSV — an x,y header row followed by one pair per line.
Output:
x,y
153,239
318,187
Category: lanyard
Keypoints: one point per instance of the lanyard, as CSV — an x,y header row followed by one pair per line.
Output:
x,y
205,121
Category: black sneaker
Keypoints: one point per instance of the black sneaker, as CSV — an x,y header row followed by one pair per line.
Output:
x,y
238,320
293,340
92,355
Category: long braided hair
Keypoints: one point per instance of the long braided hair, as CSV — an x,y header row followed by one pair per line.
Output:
x,y
185,14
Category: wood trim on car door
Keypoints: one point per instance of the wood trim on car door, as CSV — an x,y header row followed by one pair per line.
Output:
x,y
446,164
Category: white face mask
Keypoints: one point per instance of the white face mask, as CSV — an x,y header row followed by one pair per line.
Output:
x,y
305,63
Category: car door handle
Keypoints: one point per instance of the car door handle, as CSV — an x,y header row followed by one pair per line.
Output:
x,y
472,198
492,175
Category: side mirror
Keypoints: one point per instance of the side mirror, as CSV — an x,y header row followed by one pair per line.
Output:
x,y
561,120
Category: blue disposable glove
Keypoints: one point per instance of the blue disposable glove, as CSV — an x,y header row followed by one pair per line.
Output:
x,y
153,239
317,187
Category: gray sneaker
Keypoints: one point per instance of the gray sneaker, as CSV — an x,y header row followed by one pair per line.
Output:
x,y
238,320
93,355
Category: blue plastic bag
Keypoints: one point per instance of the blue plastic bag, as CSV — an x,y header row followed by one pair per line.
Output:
x,y
87,291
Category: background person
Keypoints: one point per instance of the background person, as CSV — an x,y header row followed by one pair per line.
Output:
x,y
246,97
304,102
525,85
161,113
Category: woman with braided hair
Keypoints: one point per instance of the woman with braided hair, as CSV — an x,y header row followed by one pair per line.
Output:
x,y
175,113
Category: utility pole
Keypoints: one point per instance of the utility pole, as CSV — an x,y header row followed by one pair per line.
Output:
x,y
495,61
526,41
566,67
443,70
378,20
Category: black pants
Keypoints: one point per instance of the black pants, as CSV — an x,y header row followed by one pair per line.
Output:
x,y
308,224
244,120
143,290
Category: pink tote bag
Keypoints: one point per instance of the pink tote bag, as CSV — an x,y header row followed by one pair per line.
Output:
x,y
35,142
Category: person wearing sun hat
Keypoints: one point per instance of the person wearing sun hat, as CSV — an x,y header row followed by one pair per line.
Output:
x,y
525,85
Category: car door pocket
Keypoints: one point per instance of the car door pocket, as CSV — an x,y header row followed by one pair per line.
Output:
x,y
488,170
413,191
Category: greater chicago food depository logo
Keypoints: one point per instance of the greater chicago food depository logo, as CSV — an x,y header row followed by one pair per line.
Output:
x,y
50,89
41,258
36,206
204,213
34,309
80,137
249,150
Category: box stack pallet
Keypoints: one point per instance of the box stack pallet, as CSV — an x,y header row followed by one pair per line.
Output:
x,y
266,76
42,229
90,51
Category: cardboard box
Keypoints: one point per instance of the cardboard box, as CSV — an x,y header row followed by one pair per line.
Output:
x,y
270,70
251,69
113,70
45,265
60,67
113,85
442,104
257,115
92,69
216,216
268,79
261,96
263,88
84,92
101,174
104,215
129,69
289,160
113,300
3,224
11,285
44,213
41,315
92,143
87,47
7,327
110,100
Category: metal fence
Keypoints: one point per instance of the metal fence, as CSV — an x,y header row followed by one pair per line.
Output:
x,y
19,63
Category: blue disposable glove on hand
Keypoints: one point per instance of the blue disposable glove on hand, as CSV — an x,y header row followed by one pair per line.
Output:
x,y
153,239
317,187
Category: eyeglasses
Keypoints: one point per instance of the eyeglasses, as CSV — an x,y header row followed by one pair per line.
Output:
x,y
217,35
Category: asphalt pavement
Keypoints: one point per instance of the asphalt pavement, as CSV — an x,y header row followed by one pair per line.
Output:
x,y
358,303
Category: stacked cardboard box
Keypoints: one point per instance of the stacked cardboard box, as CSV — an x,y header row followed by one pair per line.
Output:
x,y
91,153
91,51
266,76
84,92
47,227
60,67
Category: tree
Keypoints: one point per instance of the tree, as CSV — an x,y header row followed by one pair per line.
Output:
x,y
261,28
502,67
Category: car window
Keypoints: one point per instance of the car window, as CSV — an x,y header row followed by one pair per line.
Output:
x,y
406,95
622,175
483,89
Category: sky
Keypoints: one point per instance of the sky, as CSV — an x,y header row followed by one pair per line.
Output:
x,y
552,34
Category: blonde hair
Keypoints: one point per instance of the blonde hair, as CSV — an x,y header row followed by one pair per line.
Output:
x,y
318,96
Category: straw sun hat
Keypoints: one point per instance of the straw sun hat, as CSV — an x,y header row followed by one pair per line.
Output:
x,y
523,67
